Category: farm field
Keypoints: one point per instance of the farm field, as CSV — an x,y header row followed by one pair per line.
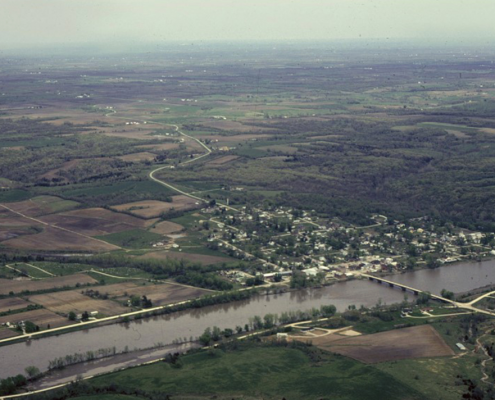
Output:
x,y
415,342
12,303
160,294
94,221
72,300
43,318
57,239
24,285
7,333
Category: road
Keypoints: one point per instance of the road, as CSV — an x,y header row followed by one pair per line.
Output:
x,y
176,189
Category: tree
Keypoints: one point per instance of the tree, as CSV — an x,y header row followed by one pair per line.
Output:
x,y
447,294
72,316
30,327
423,298
328,311
216,334
205,338
32,371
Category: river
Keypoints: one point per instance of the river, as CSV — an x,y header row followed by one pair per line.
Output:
x,y
191,323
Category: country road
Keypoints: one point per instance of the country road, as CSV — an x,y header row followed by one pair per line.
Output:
x,y
168,185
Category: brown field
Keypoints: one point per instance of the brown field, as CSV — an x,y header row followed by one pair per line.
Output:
x,y
153,208
73,300
94,221
6,333
42,318
399,344
12,303
203,259
60,240
17,286
159,294
136,157
223,160
166,227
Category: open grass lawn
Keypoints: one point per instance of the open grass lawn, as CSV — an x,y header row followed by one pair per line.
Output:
x,y
436,378
267,372
132,239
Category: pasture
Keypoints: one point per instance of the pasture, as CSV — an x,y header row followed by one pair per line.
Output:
x,y
154,208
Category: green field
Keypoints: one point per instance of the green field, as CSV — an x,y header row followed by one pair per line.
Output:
x,y
132,239
14,195
265,372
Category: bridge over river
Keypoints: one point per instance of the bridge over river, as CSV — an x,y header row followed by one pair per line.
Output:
x,y
467,306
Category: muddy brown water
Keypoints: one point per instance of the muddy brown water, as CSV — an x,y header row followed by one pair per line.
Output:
x,y
191,323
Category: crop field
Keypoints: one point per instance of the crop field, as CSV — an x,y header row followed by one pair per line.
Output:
x,y
72,300
153,208
12,303
399,344
42,318
94,221
7,333
24,285
159,294
57,239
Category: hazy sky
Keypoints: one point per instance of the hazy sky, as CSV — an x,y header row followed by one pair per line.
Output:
x,y
89,21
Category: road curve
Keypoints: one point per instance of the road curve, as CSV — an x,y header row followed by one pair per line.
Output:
x,y
176,189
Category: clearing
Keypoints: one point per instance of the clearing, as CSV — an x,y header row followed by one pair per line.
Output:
x,y
154,208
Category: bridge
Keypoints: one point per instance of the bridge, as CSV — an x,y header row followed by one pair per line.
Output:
x,y
405,288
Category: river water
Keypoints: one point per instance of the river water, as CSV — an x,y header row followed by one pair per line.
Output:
x,y
191,323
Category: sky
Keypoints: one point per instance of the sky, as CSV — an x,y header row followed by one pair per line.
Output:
x,y
53,22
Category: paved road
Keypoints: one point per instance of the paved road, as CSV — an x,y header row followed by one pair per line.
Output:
x,y
168,185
